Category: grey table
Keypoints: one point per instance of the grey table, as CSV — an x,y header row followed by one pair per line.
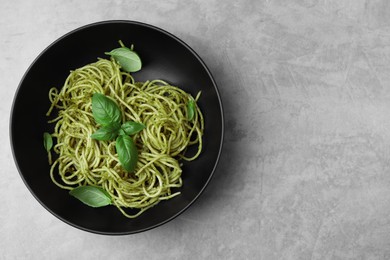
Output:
x,y
305,171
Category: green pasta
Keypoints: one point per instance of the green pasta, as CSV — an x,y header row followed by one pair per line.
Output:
x,y
82,161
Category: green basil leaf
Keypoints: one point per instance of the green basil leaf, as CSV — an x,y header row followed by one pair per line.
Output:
x,y
121,132
127,152
47,141
91,196
106,133
131,127
127,59
104,110
191,109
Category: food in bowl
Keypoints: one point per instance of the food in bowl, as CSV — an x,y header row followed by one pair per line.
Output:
x,y
118,141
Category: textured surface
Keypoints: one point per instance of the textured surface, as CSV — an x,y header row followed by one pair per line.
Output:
x,y
305,168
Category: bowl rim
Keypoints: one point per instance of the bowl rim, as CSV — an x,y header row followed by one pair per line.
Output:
x,y
11,136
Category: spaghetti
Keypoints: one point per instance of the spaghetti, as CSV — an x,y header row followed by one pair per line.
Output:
x,y
161,145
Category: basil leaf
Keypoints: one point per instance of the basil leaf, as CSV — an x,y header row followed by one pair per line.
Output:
x,y
131,127
127,152
191,109
127,59
91,196
104,110
121,132
47,141
106,133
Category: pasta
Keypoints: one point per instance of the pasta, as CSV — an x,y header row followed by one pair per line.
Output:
x,y
161,145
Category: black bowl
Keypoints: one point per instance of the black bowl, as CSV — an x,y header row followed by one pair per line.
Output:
x,y
164,57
